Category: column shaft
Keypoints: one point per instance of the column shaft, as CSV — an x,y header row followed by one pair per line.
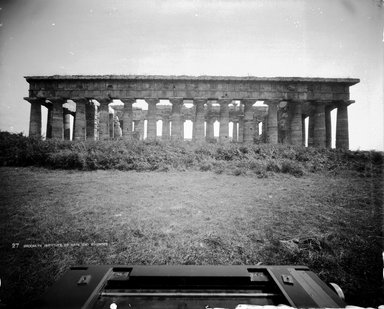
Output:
x,y
296,127
35,117
165,130
319,126
104,118
328,127
311,129
198,127
234,131
127,117
80,129
224,119
90,112
151,118
48,134
67,124
303,128
241,129
342,134
248,120
177,124
272,134
57,119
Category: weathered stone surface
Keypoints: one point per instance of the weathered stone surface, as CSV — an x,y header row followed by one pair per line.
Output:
x,y
342,135
283,124
80,127
272,133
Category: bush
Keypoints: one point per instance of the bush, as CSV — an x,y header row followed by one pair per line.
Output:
x,y
291,167
231,158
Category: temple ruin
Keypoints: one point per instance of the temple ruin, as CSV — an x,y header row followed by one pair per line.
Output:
x,y
287,102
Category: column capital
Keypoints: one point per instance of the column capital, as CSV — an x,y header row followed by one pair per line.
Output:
x,y
344,103
176,100
56,100
199,101
79,100
128,100
152,100
272,102
103,100
224,101
34,100
248,101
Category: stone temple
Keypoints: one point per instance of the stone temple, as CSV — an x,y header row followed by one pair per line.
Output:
x,y
287,101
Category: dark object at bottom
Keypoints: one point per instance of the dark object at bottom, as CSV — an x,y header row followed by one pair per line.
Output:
x,y
188,286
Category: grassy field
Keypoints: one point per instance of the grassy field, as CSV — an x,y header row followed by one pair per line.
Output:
x,y
328,221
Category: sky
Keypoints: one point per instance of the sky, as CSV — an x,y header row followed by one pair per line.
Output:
x,y
264,38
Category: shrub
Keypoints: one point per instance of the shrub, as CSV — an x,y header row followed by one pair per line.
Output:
x,y
291,167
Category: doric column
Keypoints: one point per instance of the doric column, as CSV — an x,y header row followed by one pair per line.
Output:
x,y
328,127
182,129
165,130
248,120
80,127
198,127
90,112
303,128
224,119
272,133
319,125
177,124
48,133
210,128
35,116
151,118
57,117
127,116
67,124
234,131
241,128
342,135
264,130
296,126
311,126
104,118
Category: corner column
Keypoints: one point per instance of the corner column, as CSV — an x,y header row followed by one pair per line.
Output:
x,y
248,120
342,134
198,127
104,118
272,133
151,118
127,116
177,124
224,119
35,116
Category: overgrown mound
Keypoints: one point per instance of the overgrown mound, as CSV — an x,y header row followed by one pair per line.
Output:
x,y
229,158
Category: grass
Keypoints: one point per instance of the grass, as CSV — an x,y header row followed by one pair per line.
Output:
x,y
204,215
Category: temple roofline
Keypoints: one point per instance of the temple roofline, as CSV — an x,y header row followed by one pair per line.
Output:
x,y
349,81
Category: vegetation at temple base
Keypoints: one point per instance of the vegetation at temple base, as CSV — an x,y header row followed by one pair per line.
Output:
x,y
228,158
189,204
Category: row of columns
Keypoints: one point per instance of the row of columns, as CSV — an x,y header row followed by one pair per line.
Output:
x,y
319,127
